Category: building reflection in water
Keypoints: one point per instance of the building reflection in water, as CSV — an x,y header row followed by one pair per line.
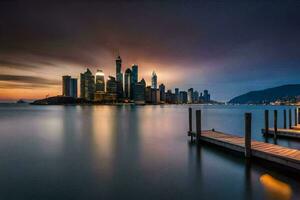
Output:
x,y
275,189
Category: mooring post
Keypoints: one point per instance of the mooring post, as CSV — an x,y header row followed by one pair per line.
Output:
x,y
248,118
198,124
295,122
190,123
266,122
284,119
275,124
298,115
290,119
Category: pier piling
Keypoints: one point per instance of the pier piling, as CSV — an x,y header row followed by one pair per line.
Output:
x,y
295,122
298,115
198,125
248,118
190,124
290,119
275,124
284,119
266,122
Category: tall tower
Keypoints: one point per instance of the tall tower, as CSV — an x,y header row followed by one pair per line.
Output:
x,y
154,80
134,73
119,77
127,83
118,68
66,85
134,80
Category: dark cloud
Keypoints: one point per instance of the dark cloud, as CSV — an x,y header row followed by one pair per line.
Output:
x,y
226,41
28,79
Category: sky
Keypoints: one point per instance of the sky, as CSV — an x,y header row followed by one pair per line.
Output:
x,y
228,47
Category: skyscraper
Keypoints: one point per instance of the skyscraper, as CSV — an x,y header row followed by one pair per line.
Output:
x,y
196,97
73,88
206,96
176,95
100,83
134,79
66,80
119,77
182,97
118,68
190,95
162,92
134,73
155,96
111,89
169,96
69,86
139,92
87,85
148,94
111,85
154,80
127,83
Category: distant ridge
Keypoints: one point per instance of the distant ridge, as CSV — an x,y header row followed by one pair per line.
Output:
x,y
281,93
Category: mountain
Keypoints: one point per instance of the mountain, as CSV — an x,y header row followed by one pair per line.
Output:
x,y
282,93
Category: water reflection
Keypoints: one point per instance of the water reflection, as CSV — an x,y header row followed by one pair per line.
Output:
x,y
132,152
275,189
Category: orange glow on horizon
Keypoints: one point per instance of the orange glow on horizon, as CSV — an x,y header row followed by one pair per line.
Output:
x,y
33,93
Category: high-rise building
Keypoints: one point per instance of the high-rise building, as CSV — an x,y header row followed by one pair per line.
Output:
x,y
139,92
154,80
120,89
196,97
148,94
134,73
162,92
182,97
118,68
169,96
100,83
111,89
206,96
152,95
119,78
190,95
134,79
111,85
87,85
127,83
155,96
73,88
176,95
66,80
69,86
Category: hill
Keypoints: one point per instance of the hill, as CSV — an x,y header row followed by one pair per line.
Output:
x,y
58,100
281,93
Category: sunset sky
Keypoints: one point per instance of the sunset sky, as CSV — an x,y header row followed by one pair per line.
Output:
x,y
227,47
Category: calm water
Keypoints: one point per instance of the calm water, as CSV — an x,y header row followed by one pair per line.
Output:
x,y
131,152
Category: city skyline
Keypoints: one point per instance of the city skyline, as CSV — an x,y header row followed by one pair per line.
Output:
x,y
228,48
124,87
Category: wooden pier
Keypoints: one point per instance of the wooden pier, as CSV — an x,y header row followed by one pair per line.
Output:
x,y
281,132
270,152
289,131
